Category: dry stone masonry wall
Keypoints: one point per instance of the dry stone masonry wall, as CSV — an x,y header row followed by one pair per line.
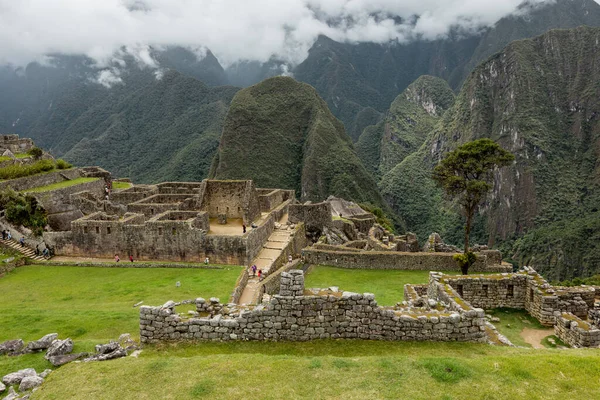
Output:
x,y
296,316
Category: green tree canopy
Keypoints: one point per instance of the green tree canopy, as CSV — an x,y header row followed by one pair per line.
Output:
x,y
466,174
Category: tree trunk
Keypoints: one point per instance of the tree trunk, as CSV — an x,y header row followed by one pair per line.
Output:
x,y
465,268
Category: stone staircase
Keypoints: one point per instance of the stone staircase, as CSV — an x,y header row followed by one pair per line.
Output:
x,y
26,251
265,260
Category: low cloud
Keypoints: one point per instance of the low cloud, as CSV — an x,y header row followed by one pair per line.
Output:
x,y
233,30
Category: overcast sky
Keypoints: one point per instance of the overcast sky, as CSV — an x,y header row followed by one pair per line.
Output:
x,y
232,29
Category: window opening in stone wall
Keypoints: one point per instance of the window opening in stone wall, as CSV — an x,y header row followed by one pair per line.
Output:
x,y
97,229
485,289
174,231
85,230
152,211
510,291
459,290
531,295
108,230
160,231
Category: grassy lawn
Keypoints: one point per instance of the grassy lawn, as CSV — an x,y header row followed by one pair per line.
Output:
x,y
121,185
512,322
61,185
96,303
387,285
333,370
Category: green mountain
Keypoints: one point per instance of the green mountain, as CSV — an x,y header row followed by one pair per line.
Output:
x,y
411,117
540,99
359,81
167,130
281,134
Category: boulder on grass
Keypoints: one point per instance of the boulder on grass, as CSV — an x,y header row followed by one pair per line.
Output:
x,y
2,387
57,361
59,348
11,346
15,378
12,395
41,344
30,382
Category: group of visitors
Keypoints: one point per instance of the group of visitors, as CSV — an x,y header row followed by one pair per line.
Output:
x,y
254,273
6,235
117,259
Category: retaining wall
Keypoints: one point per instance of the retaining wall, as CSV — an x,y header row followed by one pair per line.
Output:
x,y
395,260
293,316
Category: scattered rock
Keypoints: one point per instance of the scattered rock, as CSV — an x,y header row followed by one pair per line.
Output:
x,y
57,361
138,304
107,348
495,319
432,303
59,348
15,378
30,382
42,344
127,342
2,387
109,356
44,374
11,346
12,395
135,354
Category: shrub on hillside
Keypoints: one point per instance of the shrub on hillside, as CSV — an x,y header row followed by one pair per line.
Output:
x,y
62,164
23,210
36,152
18,171
382,218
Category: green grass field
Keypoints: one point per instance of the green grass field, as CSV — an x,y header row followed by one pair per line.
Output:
x,y
387,285
61,185
333,370
96,303
121,185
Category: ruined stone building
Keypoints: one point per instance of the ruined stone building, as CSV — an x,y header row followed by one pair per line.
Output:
x,y
179,221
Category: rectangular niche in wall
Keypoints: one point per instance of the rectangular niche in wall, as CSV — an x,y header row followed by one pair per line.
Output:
x,y
510,291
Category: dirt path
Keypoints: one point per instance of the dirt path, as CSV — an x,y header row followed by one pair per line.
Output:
x,y
534,336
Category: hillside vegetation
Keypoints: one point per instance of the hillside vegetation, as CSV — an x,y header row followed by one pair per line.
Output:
x,y
538,98
281,134
359,81
408,122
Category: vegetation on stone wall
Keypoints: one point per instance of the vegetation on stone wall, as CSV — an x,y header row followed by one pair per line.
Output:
x,y
22,209
21,170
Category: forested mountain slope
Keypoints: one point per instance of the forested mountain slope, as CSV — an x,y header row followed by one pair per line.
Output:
x,y
540,99
408,122
359,81
281,134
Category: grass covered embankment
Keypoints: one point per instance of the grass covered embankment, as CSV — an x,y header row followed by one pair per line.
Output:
x,y
333,370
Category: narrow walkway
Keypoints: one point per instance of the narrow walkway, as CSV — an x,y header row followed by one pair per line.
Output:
x,y
265,260
26,251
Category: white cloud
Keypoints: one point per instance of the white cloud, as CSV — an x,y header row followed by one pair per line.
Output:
x,y
233,29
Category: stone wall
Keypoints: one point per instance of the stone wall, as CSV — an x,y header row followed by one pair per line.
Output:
x,y
49,178
299,317
57,203
133,194
15,144
395,260
236,199
239,287
315,216
576,332
491,291
271,198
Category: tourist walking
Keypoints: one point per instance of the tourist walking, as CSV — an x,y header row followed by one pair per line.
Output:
x,y
117,259
260,274
131,257
22,241
8,235
253,270
206,261
4,234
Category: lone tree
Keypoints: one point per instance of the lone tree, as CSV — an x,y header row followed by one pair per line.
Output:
x,y
467,175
